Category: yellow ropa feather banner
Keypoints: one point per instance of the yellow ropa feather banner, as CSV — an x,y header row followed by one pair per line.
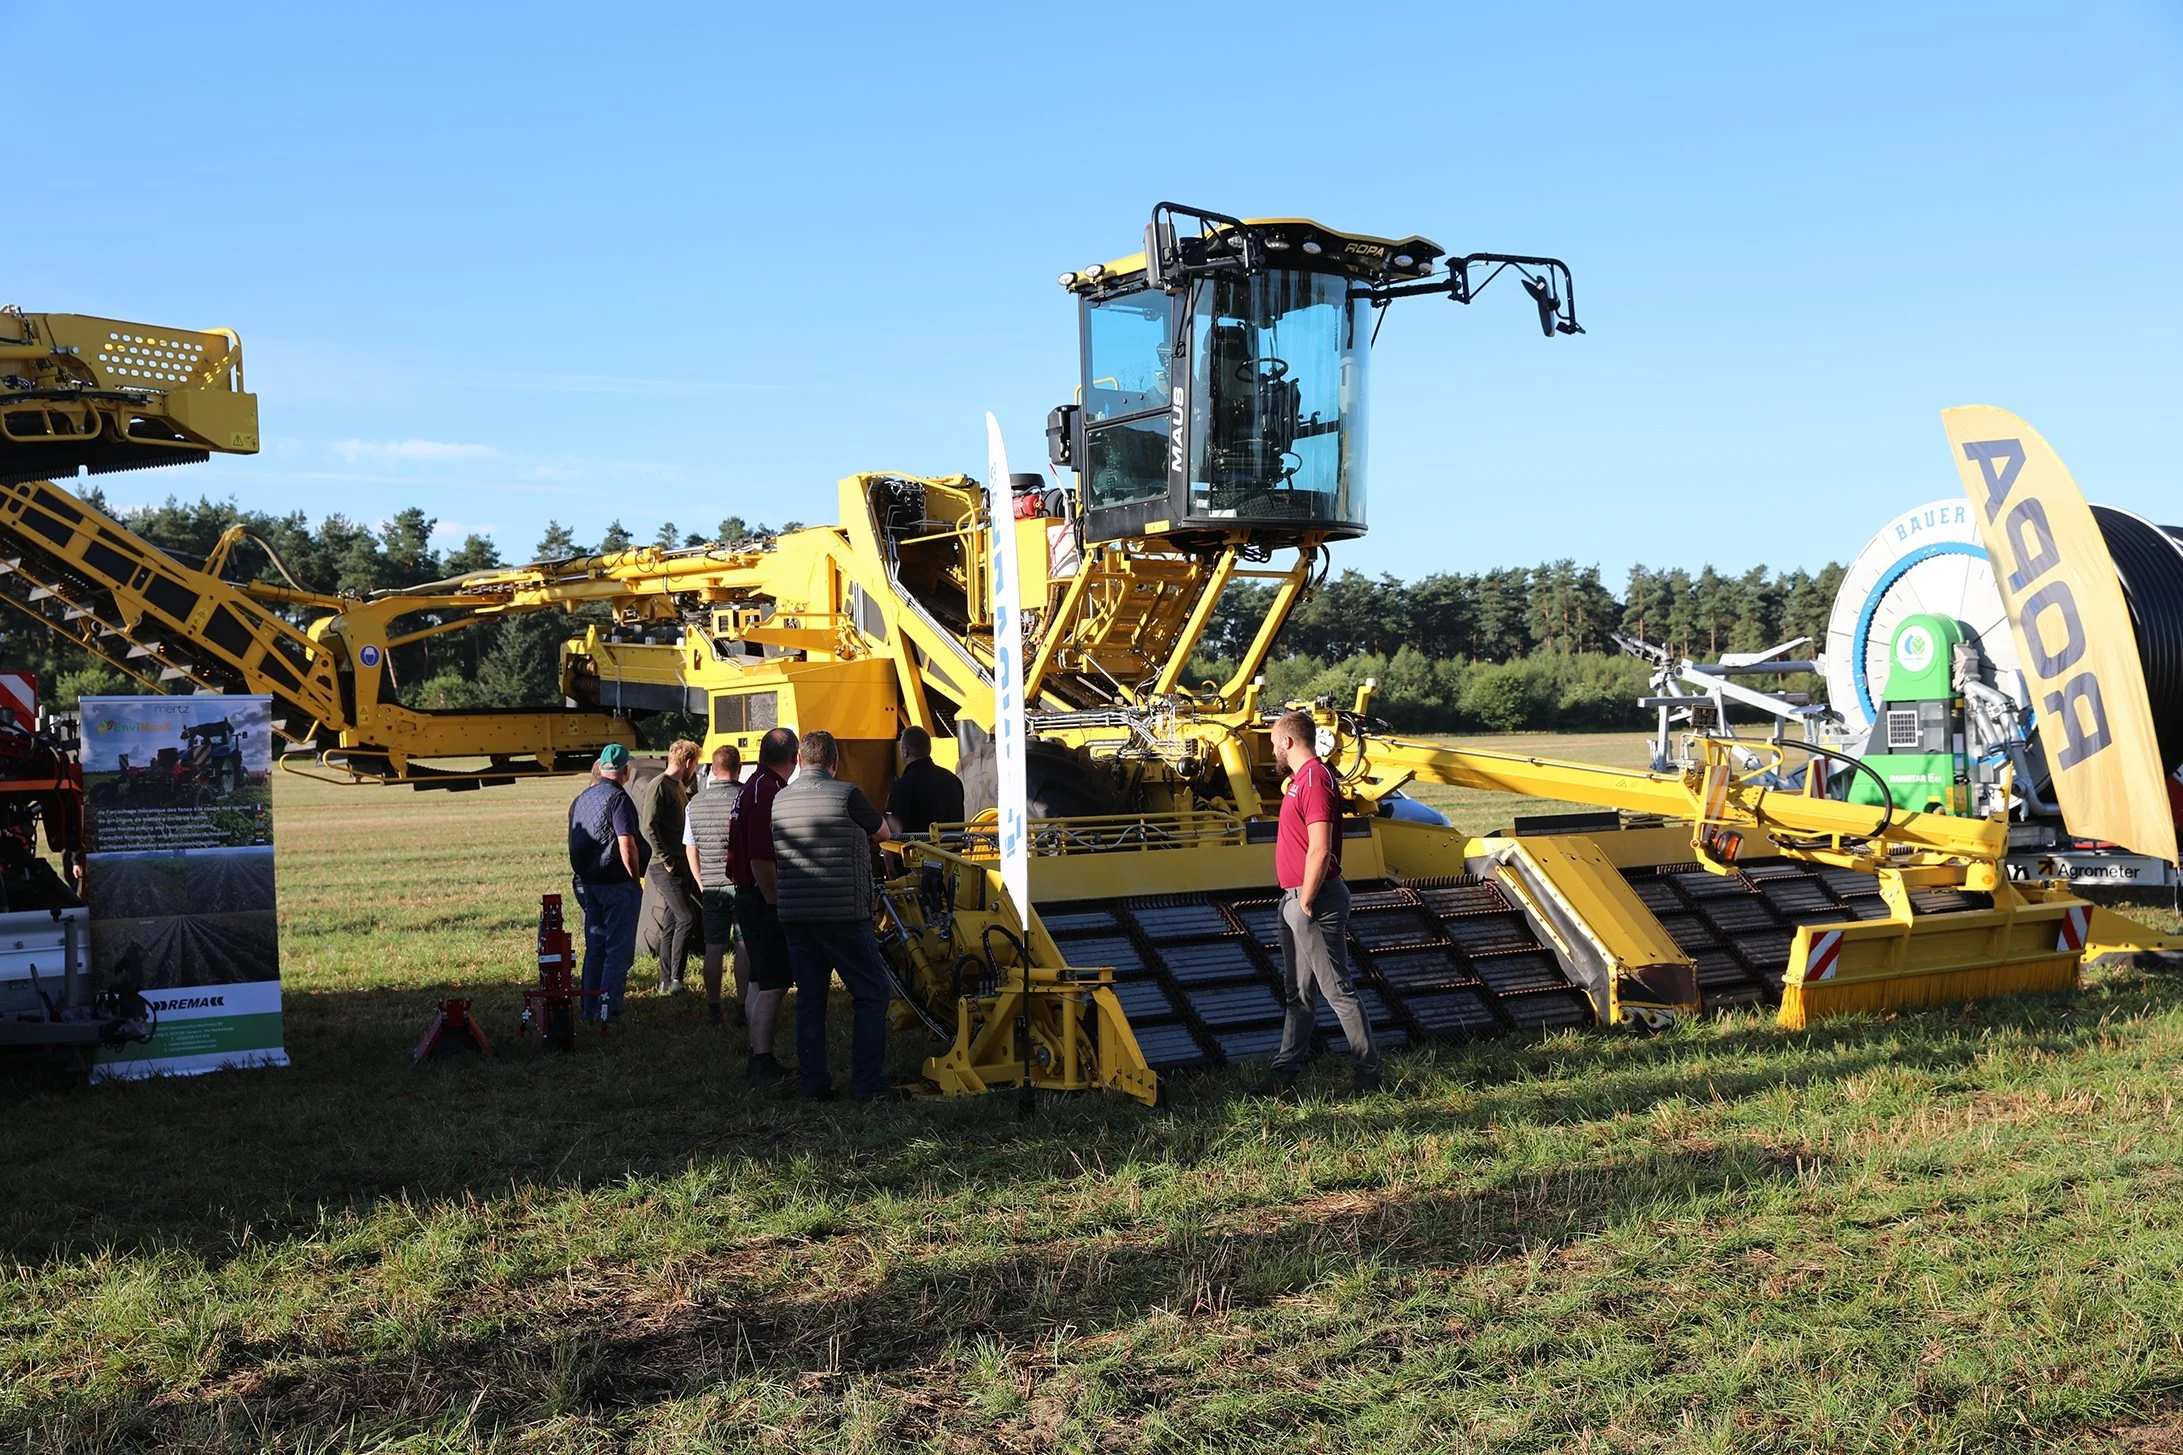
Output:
x,y
2073,633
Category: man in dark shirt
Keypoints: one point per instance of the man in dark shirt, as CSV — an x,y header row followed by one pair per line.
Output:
x,y
823,832
924,793
750,867
661,809
606,859
1307,859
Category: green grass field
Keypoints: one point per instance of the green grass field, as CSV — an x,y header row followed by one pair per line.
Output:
x,y
1954,1230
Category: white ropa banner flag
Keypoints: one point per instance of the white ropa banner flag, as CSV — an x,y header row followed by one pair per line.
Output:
x,y
1010,732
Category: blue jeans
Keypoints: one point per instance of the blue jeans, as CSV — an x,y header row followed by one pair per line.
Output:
x,y
610,942
816,949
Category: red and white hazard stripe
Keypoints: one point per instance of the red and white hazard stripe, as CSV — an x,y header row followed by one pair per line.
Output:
x,y
1825,955
2074,920
19,697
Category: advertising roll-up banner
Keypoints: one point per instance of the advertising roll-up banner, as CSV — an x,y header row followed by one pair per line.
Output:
x,y
179,878
1010,731
2073,632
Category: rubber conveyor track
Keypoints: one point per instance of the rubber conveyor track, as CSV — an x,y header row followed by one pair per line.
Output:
x,y
128,603
1199,975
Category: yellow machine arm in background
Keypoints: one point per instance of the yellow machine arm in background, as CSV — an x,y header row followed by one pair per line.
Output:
x,y
100,394
164,622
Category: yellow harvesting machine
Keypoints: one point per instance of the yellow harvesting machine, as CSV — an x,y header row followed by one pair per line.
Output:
x,y
1216,439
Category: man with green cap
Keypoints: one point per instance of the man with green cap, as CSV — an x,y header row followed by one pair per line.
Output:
x,y
606,856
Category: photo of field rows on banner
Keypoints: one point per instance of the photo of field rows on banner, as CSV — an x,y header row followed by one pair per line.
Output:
x,y
192,917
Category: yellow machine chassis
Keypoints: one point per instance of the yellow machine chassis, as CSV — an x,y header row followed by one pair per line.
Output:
x,y
1039,1022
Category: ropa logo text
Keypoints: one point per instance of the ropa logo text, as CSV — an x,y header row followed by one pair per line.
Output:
x,y
1175,421
2047,618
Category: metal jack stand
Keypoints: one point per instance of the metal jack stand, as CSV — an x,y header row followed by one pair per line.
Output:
x,y
453,1026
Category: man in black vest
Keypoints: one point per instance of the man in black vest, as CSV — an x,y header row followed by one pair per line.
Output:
x,y
606,859
823,832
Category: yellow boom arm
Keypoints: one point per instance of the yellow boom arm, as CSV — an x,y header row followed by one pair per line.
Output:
x,y
1723,796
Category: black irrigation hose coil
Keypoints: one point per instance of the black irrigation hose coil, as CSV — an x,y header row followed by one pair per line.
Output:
x,y
2149,560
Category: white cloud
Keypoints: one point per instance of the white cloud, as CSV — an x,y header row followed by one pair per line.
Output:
x,y
410,450
578,467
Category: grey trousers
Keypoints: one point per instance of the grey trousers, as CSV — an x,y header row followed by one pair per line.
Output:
x,y
678,921
1315,954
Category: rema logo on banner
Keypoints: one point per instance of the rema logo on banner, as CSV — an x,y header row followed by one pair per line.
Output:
x,y
2072,630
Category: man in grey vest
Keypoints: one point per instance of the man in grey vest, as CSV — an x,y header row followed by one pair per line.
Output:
x,y
706,824
823,833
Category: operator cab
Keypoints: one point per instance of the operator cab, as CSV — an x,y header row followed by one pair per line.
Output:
x,y
1224,379
1224,373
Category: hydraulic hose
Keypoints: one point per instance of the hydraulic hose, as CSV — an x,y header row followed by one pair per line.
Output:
x,y
1887,798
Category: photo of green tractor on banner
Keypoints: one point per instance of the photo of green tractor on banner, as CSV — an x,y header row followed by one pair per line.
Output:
x,y
179,877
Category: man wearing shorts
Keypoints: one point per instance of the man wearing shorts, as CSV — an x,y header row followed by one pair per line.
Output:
x,y
706,824
750,867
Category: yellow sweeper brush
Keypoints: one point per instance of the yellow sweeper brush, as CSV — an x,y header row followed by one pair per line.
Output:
x,y
2022,946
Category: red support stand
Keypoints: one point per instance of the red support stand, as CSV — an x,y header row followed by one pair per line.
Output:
x,y
552,1003
452,1026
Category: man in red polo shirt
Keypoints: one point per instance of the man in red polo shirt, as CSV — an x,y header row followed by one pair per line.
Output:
x,y
1307,859
750,866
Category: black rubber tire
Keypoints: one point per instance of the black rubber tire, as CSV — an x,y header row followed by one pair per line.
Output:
x,y
1059,781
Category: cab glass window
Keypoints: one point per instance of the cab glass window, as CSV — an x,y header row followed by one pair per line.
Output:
x,y
1277,402
1124,463
1126,368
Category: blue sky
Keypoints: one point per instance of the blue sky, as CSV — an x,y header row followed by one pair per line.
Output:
x,y
669,263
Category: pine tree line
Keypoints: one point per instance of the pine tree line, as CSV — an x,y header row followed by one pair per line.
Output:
x,y
1513,612
1510,648
1515,648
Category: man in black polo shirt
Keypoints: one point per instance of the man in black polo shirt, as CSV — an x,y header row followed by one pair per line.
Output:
x,y
757,887
924,793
